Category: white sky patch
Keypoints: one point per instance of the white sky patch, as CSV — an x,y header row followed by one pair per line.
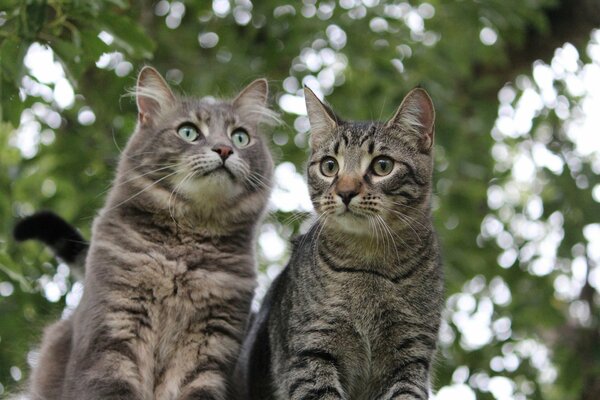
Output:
x,y
42,66
454,392
488,36
545,158
6,289
86,116
64,96
592,235
106,37
271,244
290,193
501,387
292,104
523,169
40,62
27,137
473,319
585,132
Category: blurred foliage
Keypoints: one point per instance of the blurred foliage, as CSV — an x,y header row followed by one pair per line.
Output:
x,y
364,56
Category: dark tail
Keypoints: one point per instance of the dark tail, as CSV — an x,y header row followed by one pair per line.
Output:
x,y
64,239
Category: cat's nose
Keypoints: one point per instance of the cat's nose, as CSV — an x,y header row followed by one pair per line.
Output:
x,y
347,196
223,151
347,188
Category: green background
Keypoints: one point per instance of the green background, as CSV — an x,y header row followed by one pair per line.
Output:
x,y
517,206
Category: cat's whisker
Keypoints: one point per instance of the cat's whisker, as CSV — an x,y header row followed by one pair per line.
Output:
x,y
422,212
257,181
321,230
143,190
121,183
375,230
407,220
176,189
315,225
384,239
263,179
391,235
404,217
295,217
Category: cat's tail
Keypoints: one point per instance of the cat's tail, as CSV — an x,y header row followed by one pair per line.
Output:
x,y
63,238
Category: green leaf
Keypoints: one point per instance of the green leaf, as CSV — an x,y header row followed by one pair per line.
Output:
x,y
129,36
12,52
32,20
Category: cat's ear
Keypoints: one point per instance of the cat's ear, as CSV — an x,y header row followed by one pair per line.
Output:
x,y
152,94
252,106
322,119
416,113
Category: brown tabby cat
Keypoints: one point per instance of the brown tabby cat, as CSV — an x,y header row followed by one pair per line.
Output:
x,y
170,271
355,314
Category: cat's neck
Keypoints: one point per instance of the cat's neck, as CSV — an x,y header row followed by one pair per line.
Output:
x,y
160,226
383,246
163,210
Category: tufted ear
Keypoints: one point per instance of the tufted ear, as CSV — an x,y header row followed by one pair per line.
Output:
x,y
417,115
252,106
321,117
152,95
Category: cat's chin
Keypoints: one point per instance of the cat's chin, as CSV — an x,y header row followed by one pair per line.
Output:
x,y
352,223
213,187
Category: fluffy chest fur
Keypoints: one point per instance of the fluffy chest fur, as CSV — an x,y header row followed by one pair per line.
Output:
x,y
192,320
176,310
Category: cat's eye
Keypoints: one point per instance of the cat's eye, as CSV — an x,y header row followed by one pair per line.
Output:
x,y
382,166
188,132
240,138
329,166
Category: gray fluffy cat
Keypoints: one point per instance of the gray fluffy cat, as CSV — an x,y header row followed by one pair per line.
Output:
x,y
170,271
355,314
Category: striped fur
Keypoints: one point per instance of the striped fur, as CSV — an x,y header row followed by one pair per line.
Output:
x,y
170,271
356,312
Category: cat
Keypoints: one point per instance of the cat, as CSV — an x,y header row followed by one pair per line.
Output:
x,y
63,238
356,312
170,271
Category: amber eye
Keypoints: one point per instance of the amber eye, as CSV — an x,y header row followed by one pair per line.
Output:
x,y
329,166
382,166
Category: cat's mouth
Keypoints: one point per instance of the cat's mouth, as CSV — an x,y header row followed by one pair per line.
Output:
x,y
347,212
350,210
222,169
350,221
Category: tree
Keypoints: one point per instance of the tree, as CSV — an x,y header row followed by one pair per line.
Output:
x,y
517,192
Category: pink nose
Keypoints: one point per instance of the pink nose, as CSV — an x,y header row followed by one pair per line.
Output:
x,y
223,151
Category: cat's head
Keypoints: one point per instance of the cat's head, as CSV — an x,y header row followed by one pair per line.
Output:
x,y
368,177
198,154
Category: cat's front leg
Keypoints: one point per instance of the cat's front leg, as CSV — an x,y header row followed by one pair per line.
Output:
x,y
410,384
109,389
312,373
109,370
207,386
406,376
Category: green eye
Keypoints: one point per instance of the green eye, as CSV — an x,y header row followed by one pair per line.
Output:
x,y
240,138
188,132
329,166
382,166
